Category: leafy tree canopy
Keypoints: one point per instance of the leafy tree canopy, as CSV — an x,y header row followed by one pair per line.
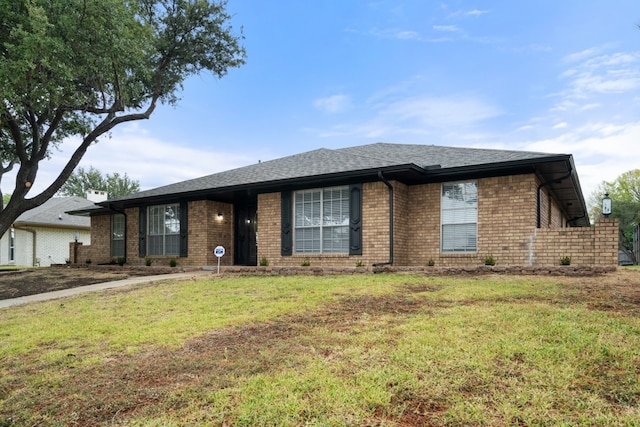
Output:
x,y
77,68
83,180
625,205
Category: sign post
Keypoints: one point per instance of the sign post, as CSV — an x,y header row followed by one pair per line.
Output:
x,y
219,252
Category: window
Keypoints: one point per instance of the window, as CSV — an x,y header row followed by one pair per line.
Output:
x,y
164,230
459,216
117,235
12,245
321,221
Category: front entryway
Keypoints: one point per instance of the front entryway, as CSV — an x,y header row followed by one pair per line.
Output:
x,y
246,227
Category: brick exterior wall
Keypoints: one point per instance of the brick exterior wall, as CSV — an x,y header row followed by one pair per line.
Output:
x,y
507,230
206,232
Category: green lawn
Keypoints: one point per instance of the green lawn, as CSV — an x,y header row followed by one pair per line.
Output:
x,y
383,350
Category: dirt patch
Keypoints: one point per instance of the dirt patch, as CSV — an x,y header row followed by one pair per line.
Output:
x,y
19,283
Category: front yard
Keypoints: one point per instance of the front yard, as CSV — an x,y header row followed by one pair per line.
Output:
x,y
384,350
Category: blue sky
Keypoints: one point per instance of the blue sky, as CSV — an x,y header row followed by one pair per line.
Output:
x,y
551,76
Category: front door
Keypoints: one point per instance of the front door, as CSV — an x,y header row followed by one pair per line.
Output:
x,y
246,227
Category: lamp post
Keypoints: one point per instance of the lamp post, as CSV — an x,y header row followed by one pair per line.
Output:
x,y
606,205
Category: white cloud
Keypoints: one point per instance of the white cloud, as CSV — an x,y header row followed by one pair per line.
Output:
x,y
395,33
602,151
151,161
333,104
394,117
439,111
447,28
613,73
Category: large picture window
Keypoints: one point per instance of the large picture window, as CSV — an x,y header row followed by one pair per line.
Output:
x,y
459,216
321,221
164,230
117,235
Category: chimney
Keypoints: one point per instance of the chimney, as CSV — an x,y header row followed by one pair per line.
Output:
x,y
96,196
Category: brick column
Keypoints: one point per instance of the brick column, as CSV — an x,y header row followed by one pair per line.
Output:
x,y
607,232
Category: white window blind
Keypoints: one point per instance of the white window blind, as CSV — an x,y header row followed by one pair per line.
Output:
x,y
321,221
459,216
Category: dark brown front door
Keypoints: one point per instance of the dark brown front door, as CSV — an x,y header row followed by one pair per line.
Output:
x,y
246,227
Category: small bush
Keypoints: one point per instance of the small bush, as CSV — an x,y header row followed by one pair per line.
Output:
x,y
173,262
264,261
121,261
88,261
489,260
147,262
565,260
359,264
306,263
431,262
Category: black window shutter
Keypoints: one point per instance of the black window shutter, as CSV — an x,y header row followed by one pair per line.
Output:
x,y
142,232
286,235
184,229
355,219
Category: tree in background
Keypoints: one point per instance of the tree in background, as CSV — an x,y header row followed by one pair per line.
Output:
x,y
72,70
82,180
625,205
5,199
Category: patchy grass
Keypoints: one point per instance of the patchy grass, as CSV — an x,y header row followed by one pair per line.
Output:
x,y
385,350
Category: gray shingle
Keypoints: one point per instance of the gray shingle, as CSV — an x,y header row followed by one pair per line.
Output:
x,y
326,162
52,213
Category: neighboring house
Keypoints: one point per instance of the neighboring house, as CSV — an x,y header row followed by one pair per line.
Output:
x,y
41,236
372,204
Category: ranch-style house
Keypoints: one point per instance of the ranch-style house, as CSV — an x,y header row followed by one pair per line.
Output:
x,y
405,205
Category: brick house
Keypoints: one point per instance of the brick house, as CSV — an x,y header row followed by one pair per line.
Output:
x,y
372,204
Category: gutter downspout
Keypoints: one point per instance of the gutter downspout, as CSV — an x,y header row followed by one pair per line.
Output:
x,y
388,184
539,201
33,239
574,219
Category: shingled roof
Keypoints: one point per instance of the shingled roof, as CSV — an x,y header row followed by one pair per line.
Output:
x,y
407,163
52,213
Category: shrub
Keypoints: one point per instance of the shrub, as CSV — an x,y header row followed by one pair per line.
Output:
x,y
147,261
359,264
489,260
306,263
173,262
264,261
121,261
565,260
88,261
431,262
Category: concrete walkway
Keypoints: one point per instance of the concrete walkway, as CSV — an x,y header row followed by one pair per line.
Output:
x,y
100,287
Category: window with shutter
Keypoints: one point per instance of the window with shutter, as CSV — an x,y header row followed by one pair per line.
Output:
x,y
321,221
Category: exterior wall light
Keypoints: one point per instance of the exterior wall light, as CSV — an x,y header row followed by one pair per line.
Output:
x,y
606,205
220,216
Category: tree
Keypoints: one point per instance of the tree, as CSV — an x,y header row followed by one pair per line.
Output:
x,y
75,69
82,180
625,205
